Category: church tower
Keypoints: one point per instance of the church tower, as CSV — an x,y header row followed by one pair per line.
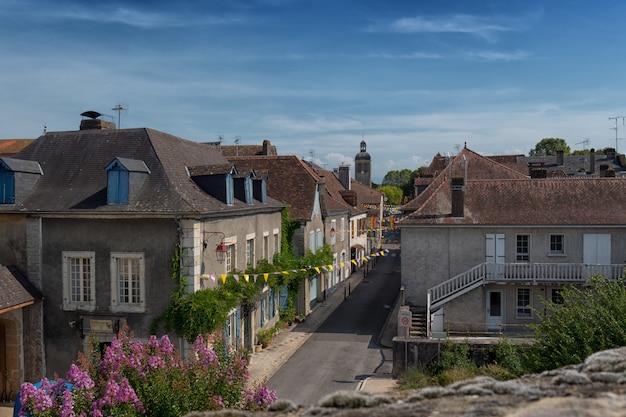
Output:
x,y
363,166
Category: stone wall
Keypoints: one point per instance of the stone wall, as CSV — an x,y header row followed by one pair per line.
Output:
x,y
596,388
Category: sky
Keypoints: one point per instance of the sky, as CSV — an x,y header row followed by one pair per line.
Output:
x,y
412,78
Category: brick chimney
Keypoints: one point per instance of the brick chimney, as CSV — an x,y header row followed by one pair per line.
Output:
x,y
93,122
344,176
458,189
267,147
592,161
559,157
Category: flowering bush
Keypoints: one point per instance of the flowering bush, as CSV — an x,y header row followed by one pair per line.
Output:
x,y
135,378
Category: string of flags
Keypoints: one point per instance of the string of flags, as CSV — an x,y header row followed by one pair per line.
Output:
x,y
265,275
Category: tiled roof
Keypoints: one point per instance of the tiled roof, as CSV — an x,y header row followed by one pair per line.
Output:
x,y
245,150
334,201
554,201
289,180
365,194
469,165
10,147
75,179
15,290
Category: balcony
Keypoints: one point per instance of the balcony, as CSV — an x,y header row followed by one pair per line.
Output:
x,y
523,273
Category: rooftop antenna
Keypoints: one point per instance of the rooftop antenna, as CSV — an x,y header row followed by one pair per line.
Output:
x,y
457,147
312,154
615,118
585,143
237,140
220,138
118,108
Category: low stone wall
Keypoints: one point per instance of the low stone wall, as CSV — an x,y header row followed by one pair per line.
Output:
x,y
596,388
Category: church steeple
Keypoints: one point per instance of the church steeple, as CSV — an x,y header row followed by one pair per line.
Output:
x,y
363,166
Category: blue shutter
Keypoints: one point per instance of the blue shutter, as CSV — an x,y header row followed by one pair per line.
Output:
x,y
263,312
272,299
230,189
117,189
238,325
249,195
282,297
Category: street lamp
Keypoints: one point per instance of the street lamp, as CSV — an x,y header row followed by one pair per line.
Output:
x,y
221,249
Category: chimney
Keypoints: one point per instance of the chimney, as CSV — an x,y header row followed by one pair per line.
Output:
x,y
538,173
458,189
344,176
559,157
603,170
267,146
610,153
92,122
592,161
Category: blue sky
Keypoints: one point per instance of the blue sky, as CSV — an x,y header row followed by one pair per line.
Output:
x,y
412,78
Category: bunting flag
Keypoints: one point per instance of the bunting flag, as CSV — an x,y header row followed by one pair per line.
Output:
x,y
354,261
343,265
246,277
286,272
266,276
330,267
213,277
236,277
223,278
366,259
317,269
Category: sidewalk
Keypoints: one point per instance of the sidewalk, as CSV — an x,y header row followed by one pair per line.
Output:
x,y
264,364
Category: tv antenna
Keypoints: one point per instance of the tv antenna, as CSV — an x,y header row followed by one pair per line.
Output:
x,y
118,108
585,143
220,138
615,118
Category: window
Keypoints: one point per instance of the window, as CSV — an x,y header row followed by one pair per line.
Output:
x,y
333,232
523,302
128,286
557,296
319,240
7,185
266,246
312,241
557,244
523,248
230,260
250,252
276,242
343,229
79,281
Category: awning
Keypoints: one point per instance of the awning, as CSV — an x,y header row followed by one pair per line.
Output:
x,y
15,290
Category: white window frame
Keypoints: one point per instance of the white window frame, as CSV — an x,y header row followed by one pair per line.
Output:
x,y
519,256
276,242
333,236
68,304
116,304
524,310
556,252
250,250
266,245
342,228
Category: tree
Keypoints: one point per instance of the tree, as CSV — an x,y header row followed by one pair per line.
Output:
x,y
582,321
549,146
392,193
403,179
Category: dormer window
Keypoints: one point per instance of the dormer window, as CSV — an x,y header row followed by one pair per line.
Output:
x,y
7,184
119,173
17,178
215,180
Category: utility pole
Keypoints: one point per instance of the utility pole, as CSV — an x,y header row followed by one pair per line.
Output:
x,y
615,118
119,109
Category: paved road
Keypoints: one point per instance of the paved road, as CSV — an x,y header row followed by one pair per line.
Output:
x,y
344,350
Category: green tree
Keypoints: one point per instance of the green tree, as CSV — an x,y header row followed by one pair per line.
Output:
x,y
397,178
549,146
582,321
392,193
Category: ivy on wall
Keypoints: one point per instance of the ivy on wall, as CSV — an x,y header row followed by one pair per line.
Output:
x,y
205,311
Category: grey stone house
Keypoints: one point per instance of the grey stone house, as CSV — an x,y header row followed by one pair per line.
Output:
x,y
484,247
94,217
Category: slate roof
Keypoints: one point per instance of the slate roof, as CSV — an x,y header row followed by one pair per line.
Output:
x,y
289,179
574,164
75,179
551,201
15,290
469,165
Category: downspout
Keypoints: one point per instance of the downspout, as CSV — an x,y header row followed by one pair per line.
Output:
x,y
181,340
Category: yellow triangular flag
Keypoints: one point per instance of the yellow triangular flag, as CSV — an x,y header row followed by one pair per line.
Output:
x,y
246,277
265,276
223,278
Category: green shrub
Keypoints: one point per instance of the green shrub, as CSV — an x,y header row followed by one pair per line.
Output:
x,y
416,377
589,319
510,357
264,336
